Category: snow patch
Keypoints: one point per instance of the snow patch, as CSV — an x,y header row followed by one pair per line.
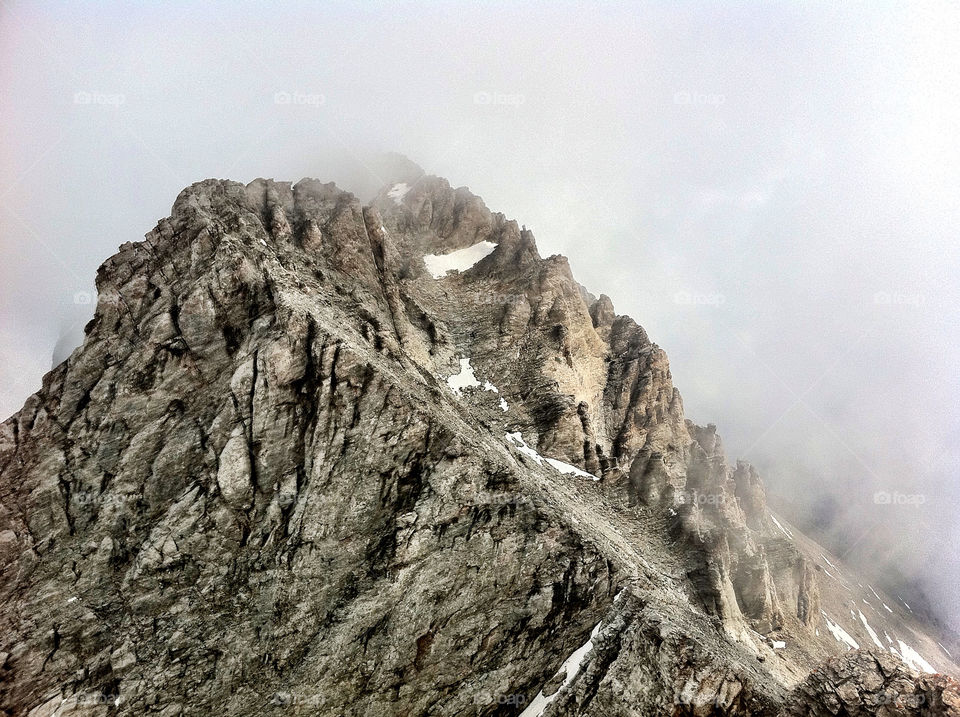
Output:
x,y
913,658
782,529
468,379
398,192
558,466
568,469
570,667
522,446
839,634
439,265
870,631
778,644
885,607
827,560
945,650
487,386
464,379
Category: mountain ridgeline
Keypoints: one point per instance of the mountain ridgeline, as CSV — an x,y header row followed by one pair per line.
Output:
x,y
321,457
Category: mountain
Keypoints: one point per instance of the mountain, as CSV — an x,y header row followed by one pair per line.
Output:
x,y
321,457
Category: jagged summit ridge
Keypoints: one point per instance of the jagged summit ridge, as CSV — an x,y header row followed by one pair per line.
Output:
x,y
291,466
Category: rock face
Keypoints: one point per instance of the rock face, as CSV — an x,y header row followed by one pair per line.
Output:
x,y
291,471
873,683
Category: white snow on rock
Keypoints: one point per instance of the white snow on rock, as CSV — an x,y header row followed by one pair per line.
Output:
x,y
870,631
487,386
904,603
782,529
558,466
827,560
522,446
398,192
885,607
570,667
913,658
839,633
468,379
779,644
945,650
568,469
464,379
439,265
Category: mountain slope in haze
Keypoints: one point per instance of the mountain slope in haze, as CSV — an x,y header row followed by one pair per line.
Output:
x,y
325,458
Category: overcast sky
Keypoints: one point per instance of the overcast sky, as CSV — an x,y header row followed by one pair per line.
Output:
x,y
771,189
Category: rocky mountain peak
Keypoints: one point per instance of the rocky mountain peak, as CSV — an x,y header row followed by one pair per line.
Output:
x,y
385,459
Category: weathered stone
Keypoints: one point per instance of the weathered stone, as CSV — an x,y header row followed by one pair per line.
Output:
x,y
253,489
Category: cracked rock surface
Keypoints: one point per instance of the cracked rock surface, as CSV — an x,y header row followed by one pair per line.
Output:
x,y
253,491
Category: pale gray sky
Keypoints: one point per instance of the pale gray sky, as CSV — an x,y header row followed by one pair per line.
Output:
x,y
771,189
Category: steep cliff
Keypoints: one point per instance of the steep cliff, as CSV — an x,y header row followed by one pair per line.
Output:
x,y
325,458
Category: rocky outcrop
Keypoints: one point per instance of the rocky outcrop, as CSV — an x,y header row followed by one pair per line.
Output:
x,y
290,468
862,683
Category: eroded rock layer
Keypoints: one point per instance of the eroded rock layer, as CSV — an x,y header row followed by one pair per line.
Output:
x,y
294,467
